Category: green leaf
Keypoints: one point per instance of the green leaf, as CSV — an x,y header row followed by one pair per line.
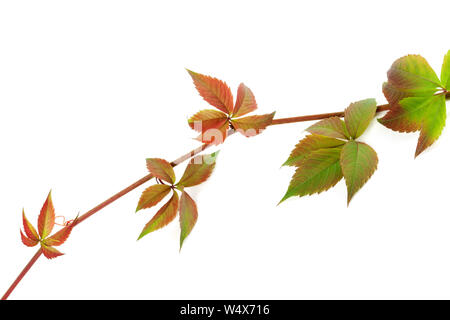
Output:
x,y
161,169
359,115
188,216
163,217
198,170
332,127
426,114
152,196
410,76
320,171
358,161
445,71
308,144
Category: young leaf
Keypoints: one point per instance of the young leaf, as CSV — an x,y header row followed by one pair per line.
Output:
x,y
152,195
308,144
358,116
245,101
320,171
214,91
50,252
445,71
332,127
358,161
30,231
426,114
188,216
253,125
46,220
61,236
163,217
27,241
198,170
410,76
205,120
161,169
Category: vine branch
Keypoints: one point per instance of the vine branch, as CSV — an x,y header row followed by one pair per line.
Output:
x,y
174,163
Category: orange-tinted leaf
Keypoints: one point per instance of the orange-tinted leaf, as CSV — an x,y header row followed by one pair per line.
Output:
x,y
161,169
207,119
152,195
245,101
30,231
61,236
332,127
253,125
212,124
198,170
50,252
46,219
27,241
309,144
163,217
188,216
214,91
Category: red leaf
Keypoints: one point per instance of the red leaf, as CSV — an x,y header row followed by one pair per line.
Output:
x,y
61,236
212,124
163,217
30,231
198,170
245,101
46,219
253,125
50,252
152,195
161,169
214,91
27,241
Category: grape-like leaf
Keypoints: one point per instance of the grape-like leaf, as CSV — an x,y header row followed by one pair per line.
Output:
x,y
445,71
27,241
308,144
245,101
198,170
426,114
358,161
410,76
61,236
46,220
332,127
50,252
163,217
152,196
320,171
161,169
214,91
359,115
30,231
253,125
188,216
205,120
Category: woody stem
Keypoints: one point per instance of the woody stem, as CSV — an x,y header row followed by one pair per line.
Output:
x,y
173,163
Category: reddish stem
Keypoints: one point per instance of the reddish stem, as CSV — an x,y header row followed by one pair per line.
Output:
x,y
173,163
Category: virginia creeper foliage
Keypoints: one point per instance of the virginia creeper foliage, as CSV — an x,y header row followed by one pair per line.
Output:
x,y
331,151
198,171
46,222
417,98
214,124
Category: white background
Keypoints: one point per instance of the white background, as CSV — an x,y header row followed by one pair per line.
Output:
x,y
89,89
